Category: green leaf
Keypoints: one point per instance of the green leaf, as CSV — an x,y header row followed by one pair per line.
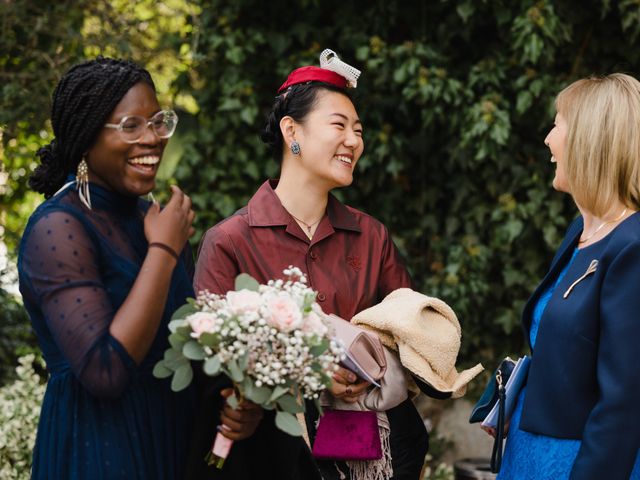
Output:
x,y
233,401
175,324
177,340
246,282
288,423
161,370
208,339
183,312
212,366
193,350
182,377
257,395
288,403
278,392
319,349
174,359
234,371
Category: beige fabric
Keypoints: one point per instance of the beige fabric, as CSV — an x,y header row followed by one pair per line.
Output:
x,y
426,333
393,388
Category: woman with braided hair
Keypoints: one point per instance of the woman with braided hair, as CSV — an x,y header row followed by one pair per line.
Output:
x,y
101,272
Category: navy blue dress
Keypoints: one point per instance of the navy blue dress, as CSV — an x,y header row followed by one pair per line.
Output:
x,y
103,416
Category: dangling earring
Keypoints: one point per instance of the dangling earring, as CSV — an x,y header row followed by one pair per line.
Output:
x,y
82,183
295,148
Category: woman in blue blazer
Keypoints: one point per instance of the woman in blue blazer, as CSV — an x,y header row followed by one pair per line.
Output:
x,y
579,415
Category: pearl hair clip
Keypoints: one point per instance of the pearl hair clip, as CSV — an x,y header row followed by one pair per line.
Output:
x,y
329,60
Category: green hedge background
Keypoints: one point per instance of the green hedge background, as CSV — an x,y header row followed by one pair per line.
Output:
x,y
456,98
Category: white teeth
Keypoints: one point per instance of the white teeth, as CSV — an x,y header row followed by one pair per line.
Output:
x,y
149,160
553,159
344,159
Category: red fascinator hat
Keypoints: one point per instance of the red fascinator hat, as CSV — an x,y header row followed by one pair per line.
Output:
x,y
332,70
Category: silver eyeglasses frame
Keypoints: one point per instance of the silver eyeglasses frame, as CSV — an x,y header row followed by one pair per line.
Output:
x,y
146,123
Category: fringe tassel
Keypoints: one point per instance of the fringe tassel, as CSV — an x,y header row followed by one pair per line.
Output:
x,y
381,469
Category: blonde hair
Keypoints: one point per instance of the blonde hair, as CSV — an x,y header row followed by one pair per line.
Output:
x,y
602,150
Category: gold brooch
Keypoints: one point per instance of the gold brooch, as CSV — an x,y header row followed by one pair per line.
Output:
x,y
590,269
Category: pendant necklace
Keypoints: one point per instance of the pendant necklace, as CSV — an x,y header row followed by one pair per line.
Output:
x,y
309,226
617,219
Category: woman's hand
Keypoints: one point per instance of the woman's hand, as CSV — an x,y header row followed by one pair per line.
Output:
x,y
346,386
170,226
241,423
492,431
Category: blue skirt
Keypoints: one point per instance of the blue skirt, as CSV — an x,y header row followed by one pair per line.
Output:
x,y
539,457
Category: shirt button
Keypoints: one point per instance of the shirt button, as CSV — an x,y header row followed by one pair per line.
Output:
x,y
313,255
322,297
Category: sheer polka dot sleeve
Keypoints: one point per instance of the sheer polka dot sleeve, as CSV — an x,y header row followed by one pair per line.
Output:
x,y
62,269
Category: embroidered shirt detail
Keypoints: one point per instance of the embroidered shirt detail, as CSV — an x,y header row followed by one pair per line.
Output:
x,y
354,262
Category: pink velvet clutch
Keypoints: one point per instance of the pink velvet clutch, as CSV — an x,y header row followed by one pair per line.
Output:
x,y
347,435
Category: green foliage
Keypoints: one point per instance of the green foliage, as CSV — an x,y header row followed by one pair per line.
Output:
x,y
19,412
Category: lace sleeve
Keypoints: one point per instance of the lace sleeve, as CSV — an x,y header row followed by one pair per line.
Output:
x,y
61,265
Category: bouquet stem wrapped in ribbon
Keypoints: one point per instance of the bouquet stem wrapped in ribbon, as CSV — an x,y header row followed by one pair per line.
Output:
x,y
272,341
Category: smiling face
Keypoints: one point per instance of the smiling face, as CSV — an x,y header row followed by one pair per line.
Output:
x,y
556,140
330,140
127,168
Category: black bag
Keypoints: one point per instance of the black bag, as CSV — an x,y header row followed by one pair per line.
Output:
x,y
494,392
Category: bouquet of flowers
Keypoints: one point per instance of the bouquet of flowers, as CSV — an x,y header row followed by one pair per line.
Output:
x,y
271,340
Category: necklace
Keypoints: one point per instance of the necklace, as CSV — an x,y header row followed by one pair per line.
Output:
x,y
617,219
308,225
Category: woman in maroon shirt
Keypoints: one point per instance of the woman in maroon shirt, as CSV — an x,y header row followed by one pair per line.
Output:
x,y
348,257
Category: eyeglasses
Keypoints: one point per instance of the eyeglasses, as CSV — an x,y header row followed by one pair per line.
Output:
x,y
131,129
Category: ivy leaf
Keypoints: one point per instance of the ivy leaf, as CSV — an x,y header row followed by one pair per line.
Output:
x,y
288,423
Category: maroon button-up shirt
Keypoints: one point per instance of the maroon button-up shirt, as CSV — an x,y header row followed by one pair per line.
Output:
x,y
351,261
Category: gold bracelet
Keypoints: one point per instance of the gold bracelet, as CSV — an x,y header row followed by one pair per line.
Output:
x,y
166,248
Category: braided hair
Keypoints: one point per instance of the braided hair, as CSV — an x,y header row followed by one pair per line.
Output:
x,y
296,102
82,102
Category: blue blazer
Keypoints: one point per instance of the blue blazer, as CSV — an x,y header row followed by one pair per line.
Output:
x,y
584,382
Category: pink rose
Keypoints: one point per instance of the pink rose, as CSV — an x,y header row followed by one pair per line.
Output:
x,y
285,315
314,324
244,301
201,322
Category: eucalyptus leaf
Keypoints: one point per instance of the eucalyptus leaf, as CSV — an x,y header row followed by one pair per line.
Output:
x,y
184,311
258,395
211,366
288,423
319,349
232,400
177,341
278,391
175,324
160,370
193,350
234,371
245,281
288,403
208,339
182,377
174,359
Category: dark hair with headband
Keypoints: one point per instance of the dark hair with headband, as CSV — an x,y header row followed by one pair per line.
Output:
x,y
82,102
296,102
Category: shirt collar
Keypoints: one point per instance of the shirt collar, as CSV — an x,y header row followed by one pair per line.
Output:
x,y
265,210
